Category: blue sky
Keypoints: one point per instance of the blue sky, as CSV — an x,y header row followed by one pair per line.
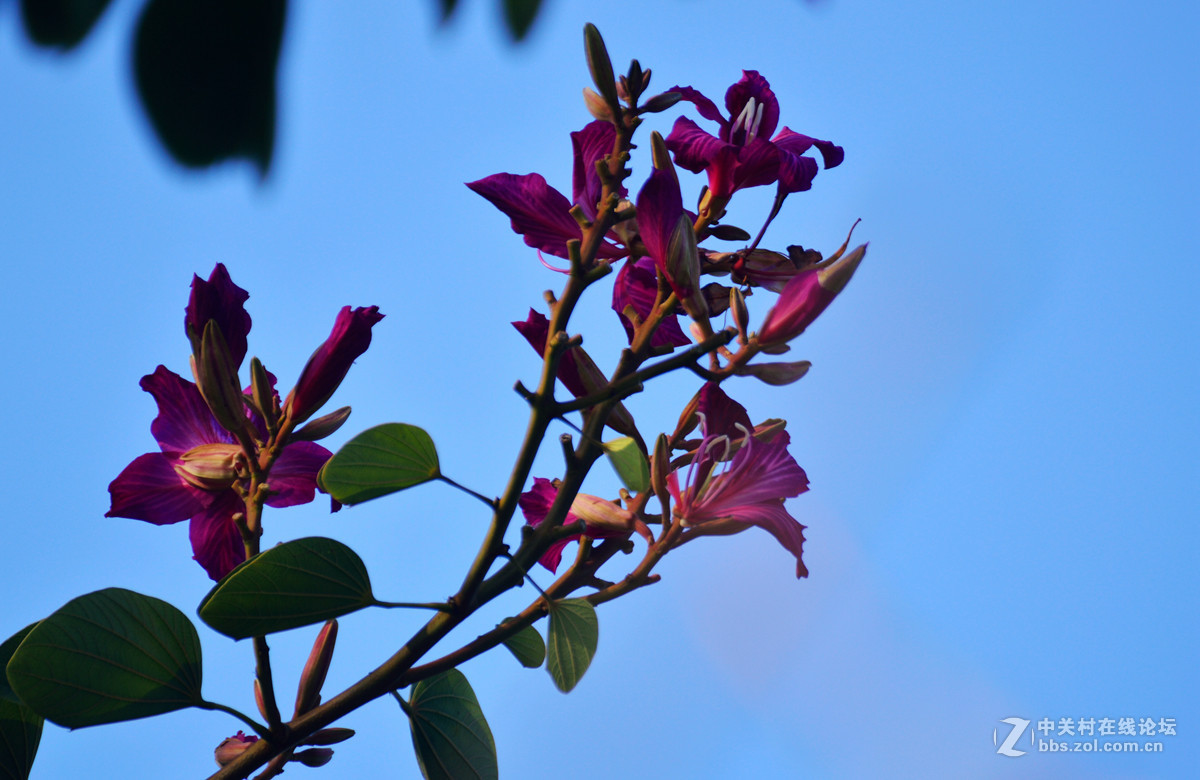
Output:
x,y
1000,424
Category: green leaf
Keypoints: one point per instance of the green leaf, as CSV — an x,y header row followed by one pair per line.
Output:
x,y
446,8
527,645
205,72
450,734
60,23
108,656
378,461
574,633
294,584
519,14
629,462
20,727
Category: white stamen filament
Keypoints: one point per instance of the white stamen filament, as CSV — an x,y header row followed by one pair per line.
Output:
x,y
750,136
746,118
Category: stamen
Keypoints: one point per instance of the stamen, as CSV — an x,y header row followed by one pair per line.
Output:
x,y
746,118
757,121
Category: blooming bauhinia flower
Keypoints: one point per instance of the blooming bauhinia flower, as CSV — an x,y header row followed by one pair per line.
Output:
x,y
749,489
807,295
602,519
193,476
541,213
327,367
740,155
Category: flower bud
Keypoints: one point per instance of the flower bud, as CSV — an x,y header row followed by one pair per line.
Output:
x,y
596,105
330,736
661,466
209,466
599,64
313,676
775,373
601,514
806,296
216,378
741,316
327,367
322,426
313,757
660,102
232,747
221,301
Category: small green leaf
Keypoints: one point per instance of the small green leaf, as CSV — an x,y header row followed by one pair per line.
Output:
x,y
574,633
294,584
629,462
108,656
527,645
378,461
450,734
519,14
20,727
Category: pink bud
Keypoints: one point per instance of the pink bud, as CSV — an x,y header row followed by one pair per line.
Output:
x,y
806,296
232,747
313,676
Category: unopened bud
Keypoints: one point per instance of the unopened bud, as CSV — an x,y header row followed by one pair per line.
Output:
x,y
599,64
313,676
258,699
209,466
329,736
661,466
262,391
660,102
216,378
741,316
313,757
601,514
776,373
688,419
322,426
232,747
806,296
596,105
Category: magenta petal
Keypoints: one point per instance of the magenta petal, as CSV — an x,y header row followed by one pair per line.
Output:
x,y
216,541
538,212
591,144
722,414
757,164
774,518
293,478
704,106
220,300
694,149
753,85
553,555
535,503
536,329
659,207
183,420
759,472
329,364
637,286
149,489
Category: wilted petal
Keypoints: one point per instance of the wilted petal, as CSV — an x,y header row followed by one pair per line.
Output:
x,y
328,366
184,420
220,300
216,541
293,477
535,504
150,489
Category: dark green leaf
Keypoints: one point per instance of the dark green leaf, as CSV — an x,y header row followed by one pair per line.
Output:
x,y
108,656
450,734
378,461
205,71
293,584
20,727
446,7
574,633
519,14
60,23
629,462
527,645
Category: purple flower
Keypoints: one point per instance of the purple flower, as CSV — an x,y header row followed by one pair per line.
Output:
x,y
221,300
740,155
541,213
193,476
807,295
750,489
602,519
327,367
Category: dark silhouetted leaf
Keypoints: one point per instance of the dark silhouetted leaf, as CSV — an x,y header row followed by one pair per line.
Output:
x,y
527,645
446,7
571,644
450,734
378,461
205,71
20,727
293,584
60,23
519,15
108,656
